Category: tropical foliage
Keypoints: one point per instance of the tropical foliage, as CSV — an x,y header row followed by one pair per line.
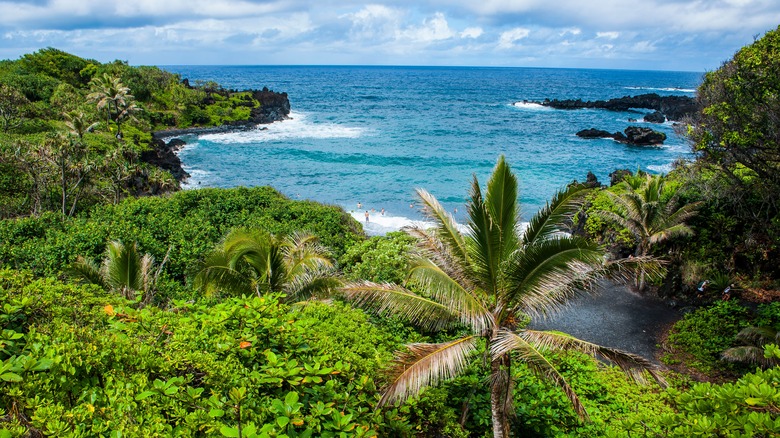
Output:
x,y
124,270
650,211
252,261
489,281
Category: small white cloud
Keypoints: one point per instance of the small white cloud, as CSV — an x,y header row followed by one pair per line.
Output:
x,y
472,32
608,35
507,39
570,31
432,29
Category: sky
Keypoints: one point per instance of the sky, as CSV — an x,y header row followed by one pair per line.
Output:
x,y
693,35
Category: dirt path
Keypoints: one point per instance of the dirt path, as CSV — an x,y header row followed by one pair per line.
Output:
x,y
615,317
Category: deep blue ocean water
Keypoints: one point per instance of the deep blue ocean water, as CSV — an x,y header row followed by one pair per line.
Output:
x,y
374,134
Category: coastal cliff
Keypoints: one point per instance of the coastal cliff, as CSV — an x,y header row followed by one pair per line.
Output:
x,y
272,107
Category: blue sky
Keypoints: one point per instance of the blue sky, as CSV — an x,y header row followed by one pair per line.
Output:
x,y
626,34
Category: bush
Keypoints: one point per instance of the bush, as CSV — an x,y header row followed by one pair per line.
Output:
x,y
701,336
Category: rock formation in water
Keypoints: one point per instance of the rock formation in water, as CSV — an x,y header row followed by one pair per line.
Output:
x,y
632,135
672,107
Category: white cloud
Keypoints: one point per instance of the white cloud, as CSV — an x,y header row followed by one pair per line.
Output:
x,y
608,35
570,31
472,32
433,29
507,39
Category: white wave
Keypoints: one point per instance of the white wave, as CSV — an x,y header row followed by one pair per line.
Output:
x,y
660,168
297,127
198,178
681,90
379,225
530,105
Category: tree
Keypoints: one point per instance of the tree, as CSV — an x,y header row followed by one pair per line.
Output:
x,y
13,107
736,128
650,211
78,123
107,91
488,280
123,270
252,261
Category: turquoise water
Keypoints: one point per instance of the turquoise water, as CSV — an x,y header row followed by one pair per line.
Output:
x,y
374,134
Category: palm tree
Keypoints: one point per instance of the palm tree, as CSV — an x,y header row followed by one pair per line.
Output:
x,y
78,124
650,211
754,340
252,261
107,91
123,270
488,279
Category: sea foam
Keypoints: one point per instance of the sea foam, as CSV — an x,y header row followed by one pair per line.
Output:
x,y
297,127
530,106
681,90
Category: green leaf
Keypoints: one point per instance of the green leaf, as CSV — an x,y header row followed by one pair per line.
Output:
x,y
145,394
752,401
282,421
216,413
229,431
43,364
11,377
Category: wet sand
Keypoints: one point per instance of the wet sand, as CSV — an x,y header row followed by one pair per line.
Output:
x,y
615,317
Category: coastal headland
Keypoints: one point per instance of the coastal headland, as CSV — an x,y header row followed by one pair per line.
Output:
x,y
272,107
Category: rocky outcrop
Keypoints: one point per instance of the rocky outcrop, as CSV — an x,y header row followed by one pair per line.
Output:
x,y
274,107
633,135
655,117
618,176
163,155
672,107
643,136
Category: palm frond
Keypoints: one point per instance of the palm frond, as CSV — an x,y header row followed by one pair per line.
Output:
x,y
759,336
502,208
533,356
544,276
429,246
123,266
446,227
484,243
633,365
553,217
216,274
451,293
425,365
86,272
390,298
623,270
311,283
748,354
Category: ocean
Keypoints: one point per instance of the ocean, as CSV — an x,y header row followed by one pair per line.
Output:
x,y
372,135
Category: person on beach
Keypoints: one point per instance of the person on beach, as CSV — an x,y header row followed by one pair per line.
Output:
x,y
366,215
360,205
727,292
382,212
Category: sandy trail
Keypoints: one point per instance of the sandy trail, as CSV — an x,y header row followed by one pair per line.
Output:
x,y
615,317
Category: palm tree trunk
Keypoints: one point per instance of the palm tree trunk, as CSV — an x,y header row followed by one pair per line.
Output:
x,y
499,385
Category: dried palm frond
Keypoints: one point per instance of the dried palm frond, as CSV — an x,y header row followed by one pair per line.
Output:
x,y
424,365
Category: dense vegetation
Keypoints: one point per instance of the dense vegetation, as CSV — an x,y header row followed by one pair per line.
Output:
x,y
186,314
73,131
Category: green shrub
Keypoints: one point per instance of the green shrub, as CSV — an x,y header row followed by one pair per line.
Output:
x,y
701,336
381,259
